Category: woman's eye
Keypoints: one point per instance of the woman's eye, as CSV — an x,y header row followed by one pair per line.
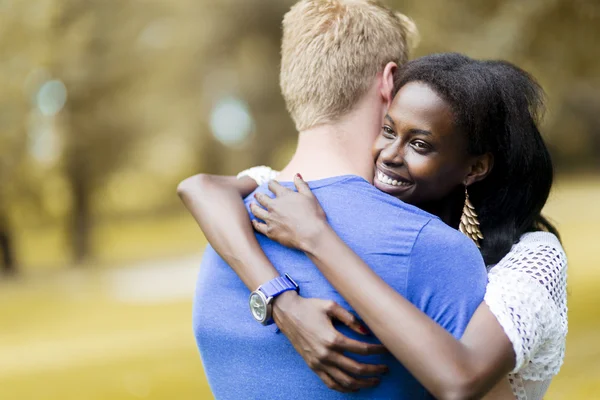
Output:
x,y
388,132
420,145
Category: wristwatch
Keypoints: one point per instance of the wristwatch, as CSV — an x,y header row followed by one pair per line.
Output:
x,y
261,300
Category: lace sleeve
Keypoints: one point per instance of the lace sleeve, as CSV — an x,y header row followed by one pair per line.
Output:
x,y
260,174
527,294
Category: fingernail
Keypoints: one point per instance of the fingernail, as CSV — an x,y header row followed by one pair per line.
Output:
x,y
363,330
299,176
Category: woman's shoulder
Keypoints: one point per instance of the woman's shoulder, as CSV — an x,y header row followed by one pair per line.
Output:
x,y
534,272
541,239
539,257
527,293
533,251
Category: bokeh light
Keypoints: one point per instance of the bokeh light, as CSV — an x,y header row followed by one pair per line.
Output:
x,y
231,122
51,97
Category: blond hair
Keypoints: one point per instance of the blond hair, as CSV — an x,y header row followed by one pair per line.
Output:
x,y
332,50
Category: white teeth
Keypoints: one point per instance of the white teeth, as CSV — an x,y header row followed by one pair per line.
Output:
x,y
389,181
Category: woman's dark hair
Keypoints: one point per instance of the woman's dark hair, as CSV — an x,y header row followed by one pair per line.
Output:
x,y
497,105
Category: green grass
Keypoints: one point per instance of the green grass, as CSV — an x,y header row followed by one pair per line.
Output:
x,y
65,335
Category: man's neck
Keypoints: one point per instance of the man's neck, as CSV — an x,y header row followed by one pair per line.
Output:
x,y
342,148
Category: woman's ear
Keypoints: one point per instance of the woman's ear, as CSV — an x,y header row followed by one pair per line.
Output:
x,y
387,82
480,168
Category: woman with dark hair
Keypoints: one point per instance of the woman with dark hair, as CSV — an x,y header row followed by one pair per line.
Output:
x,y
460,141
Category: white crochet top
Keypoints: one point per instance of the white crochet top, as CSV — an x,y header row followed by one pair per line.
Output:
x,y
261,174
527,292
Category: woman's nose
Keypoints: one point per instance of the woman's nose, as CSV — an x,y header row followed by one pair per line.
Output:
x,y
392,154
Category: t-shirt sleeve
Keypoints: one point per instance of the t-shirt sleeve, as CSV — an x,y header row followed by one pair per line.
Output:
x,y
447,276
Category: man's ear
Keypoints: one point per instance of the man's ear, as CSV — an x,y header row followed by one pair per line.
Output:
x,y
387,82
480,168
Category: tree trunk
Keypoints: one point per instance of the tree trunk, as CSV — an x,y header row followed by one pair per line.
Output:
x,y
8,263
81,218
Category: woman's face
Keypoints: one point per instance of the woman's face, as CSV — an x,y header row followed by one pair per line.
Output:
x,y
420,157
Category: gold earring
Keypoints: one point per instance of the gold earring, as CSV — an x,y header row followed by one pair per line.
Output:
x,y
469,225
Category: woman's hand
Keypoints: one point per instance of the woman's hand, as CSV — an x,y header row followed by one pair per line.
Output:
x,y
307,323
294,219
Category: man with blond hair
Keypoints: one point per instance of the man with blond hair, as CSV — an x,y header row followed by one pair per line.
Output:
x,y
339,59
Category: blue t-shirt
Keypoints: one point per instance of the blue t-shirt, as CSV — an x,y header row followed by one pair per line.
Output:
x,y
435,267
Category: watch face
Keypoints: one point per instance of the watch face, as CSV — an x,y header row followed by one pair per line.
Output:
x,y
258,307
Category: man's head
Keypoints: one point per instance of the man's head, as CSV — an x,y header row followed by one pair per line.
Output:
x,y
332,52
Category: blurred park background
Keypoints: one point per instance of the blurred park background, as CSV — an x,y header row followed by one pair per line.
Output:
x,y
105,105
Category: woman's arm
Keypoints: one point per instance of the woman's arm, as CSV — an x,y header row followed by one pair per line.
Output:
x,y
216,204
448,368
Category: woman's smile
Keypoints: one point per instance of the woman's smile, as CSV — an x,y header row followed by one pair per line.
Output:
x,y
390,182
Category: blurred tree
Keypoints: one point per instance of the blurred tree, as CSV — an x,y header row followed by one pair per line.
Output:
x,y
14,109
244,56
9,157
8,264
93,57
143,79
13,184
